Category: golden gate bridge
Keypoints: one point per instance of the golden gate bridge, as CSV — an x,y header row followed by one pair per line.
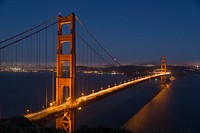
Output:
x,y
70,59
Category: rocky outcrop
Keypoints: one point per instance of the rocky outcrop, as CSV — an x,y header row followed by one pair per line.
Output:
x,y
23,125
100,129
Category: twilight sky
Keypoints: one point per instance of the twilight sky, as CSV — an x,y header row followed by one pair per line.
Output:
x,y
134,31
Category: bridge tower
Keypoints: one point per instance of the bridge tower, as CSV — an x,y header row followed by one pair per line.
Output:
x,y
163,68
62,80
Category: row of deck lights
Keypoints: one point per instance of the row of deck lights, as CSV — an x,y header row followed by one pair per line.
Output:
x,y
79,108
82,94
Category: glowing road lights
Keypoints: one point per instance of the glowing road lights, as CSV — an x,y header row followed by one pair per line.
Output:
x,y
52,103
93,91
27,111
79,108
68,99
82,94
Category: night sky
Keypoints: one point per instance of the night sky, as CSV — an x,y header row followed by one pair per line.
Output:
x,y
134,31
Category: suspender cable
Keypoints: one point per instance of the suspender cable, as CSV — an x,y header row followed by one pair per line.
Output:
x,y
79,64
30,52
27,54
87,76
22,53
46,67
11,56
53,55
39,50
84,68
37,60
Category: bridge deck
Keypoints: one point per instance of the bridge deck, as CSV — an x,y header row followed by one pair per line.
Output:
x,y
58,108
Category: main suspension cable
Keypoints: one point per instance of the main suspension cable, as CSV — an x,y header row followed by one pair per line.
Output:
x,y
28,30
2,47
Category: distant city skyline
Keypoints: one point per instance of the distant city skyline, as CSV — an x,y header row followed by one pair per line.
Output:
x,y
132,31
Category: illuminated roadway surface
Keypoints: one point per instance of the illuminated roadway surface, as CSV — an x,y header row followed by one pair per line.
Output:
x,y
66,105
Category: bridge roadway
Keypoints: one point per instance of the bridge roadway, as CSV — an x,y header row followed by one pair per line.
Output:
x,y
79,101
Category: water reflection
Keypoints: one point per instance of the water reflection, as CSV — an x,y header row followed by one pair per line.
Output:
x,y
146,120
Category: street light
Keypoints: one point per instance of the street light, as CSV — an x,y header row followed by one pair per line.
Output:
x,y
27,111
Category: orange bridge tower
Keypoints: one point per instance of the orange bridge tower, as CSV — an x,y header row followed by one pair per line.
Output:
x,y
163,68
63,80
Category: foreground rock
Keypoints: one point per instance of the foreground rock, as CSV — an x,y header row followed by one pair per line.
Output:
x,y
100,129
23,125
